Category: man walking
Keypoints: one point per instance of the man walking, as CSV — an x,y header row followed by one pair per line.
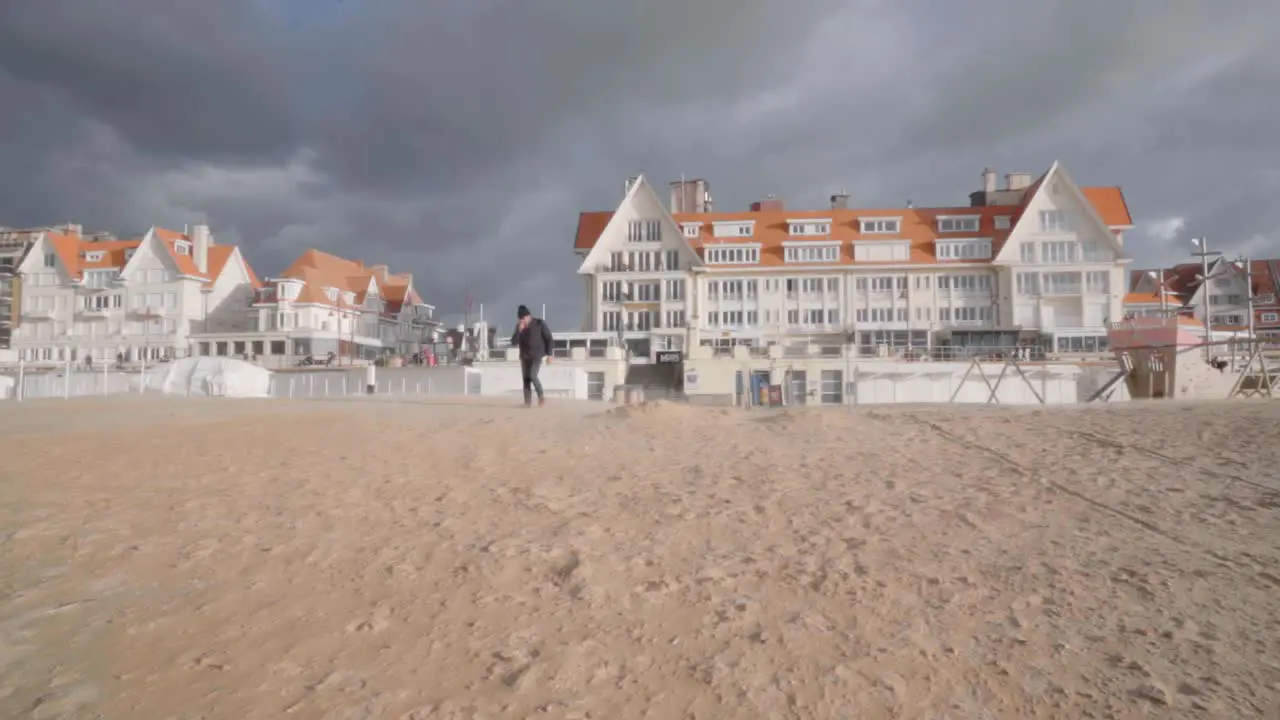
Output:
x,y
533,337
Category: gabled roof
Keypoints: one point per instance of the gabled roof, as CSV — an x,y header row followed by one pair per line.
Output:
x,y
318,271
75,253
919,225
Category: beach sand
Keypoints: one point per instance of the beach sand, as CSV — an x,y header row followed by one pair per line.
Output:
x,y
364,559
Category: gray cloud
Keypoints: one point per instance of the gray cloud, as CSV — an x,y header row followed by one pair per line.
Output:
x,y
459,140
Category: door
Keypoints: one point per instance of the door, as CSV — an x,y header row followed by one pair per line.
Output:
x,y
595,386
832,392
799,387
759,387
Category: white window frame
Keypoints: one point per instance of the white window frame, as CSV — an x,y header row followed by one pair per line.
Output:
x,y
1270,317
1056,221
1003,222
959,223
954,249
880,225
733,228
728,254
803,253
809,227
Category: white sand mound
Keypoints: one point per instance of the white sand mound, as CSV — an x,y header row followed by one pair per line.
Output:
x,y
209,377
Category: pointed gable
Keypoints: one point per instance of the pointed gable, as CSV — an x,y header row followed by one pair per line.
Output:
x,y
639,203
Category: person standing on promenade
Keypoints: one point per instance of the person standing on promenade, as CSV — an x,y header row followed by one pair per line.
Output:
x,y
533,338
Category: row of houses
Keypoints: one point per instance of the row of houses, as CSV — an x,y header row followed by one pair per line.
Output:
x,y
1038,262
1235,289
86,298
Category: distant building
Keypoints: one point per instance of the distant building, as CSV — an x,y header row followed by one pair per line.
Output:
x,y
324,304
94,296
1230,287
1037,262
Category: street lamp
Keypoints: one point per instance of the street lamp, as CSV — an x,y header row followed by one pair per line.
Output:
x,y
1158,276
1203,252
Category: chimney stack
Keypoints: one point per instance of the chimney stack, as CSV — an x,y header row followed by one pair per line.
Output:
x,y
989,180
772,203
840,201
690,196
1017,181
201,239
626,186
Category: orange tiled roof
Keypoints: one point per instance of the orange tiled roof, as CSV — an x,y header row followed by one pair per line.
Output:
x,y
919,225
319,271
75,251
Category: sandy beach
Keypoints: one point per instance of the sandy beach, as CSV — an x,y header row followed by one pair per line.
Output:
x,y
414,560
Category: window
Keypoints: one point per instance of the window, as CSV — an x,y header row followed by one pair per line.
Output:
x,y
968,223
95,256
1002,222
881,225
1270,317
1027,252
644,231
1098,282
289,290
1028,283
182,248
1052,221
881,283
833,317
833,286
50,260
99,278
753,289
965,283
922,282
611,320
727,289
1061,283
692,231
675,319
811,287
964,249
793,317
809,228
675,290
1059,252
812,253
734,228
671,261
733,255
610,290
965,315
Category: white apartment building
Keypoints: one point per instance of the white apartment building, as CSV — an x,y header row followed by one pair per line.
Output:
x,y
1030,264
325,304
97,297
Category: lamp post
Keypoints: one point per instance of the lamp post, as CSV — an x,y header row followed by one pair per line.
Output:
x,y
1204,253
1158,276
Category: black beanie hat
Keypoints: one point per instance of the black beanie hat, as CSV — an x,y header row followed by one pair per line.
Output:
x,y
522,311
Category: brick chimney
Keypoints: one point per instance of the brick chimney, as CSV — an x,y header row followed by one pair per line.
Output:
x,y
771,203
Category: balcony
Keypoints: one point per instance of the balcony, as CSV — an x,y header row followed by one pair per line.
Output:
x,y
35,315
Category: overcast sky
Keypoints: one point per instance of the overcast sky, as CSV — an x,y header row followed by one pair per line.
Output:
x,y
459,140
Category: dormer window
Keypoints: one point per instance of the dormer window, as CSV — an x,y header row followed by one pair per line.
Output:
x,y
881,226
182,247
734,228
349,298
332,294
95,256
809,228
733,255
958,223
289,290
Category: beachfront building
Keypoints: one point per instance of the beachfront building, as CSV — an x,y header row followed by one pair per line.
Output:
x,y
1036,263
323,304
96,297
1234,288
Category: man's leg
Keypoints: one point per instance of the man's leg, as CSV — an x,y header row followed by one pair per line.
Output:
x,y
534,366
526,375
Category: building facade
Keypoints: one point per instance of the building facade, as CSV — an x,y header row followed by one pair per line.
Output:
x,y
325,306
94,298
1034,263
1236,288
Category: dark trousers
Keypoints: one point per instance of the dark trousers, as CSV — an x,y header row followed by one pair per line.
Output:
x,y
529,368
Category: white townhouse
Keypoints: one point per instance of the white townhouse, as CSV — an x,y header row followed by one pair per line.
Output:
x,y
1034,263
325,304
98,297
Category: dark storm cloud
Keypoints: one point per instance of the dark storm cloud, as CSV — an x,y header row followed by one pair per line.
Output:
x,y
459,140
